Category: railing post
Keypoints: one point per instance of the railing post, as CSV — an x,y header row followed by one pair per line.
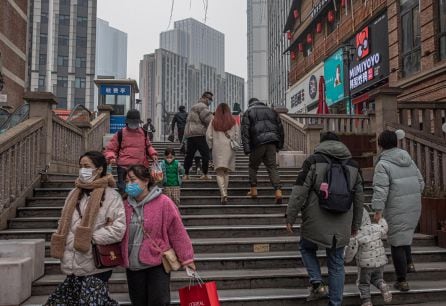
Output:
x,y
104,109
313,137
41,105
386,107
85,127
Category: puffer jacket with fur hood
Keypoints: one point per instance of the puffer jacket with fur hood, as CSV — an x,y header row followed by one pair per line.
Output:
x,y
367,245
109,228
198,119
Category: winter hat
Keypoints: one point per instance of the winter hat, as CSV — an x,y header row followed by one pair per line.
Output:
x,y
133,116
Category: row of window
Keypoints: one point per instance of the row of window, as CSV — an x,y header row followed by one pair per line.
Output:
x,y
62,81
65,19
62,61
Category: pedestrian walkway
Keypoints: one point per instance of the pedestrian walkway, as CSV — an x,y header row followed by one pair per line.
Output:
x,y
243,245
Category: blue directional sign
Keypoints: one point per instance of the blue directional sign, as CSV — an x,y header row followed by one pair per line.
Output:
x,y
115,90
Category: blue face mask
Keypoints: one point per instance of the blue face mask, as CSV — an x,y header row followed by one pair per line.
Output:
x,y
133,189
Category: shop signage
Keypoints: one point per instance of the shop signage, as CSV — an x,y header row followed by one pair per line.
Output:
x,y
115,90
305,92
371,63
317,8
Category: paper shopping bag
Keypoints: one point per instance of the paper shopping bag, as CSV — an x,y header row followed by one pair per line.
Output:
x,y
199,295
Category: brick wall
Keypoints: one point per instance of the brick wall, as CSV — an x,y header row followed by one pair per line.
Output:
x,y
13,27
429,84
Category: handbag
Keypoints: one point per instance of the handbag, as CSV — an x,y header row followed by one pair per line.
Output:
x,y
235,146
107,256
203,294
169,258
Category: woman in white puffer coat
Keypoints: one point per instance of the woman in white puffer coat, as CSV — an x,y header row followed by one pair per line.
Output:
x,y
368,248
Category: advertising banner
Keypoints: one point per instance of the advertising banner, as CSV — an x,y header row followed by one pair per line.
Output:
x,y
334,78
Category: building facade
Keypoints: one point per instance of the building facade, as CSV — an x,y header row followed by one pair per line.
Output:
x,y
111,53
417,49
13,31
147,77
204,44
278,63
176,41
62,50
348,46
234,90
257,18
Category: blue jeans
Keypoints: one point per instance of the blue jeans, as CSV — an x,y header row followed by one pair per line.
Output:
x,y
335,263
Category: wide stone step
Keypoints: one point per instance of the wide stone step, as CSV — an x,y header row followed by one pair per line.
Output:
x,y
51,209
215,231
188,220
195,183
266,260
185,200
423,293
252,278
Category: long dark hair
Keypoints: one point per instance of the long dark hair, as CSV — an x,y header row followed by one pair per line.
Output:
x,y
98,160
141,172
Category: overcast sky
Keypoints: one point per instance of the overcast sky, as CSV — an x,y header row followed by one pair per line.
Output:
x,y
143,20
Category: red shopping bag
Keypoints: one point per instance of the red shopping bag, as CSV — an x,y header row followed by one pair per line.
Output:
x,y
199,295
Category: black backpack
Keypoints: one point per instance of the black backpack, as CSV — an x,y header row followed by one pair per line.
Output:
x,y
120,140
340,193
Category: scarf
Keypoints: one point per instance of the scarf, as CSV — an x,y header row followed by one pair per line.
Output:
x,y
84,232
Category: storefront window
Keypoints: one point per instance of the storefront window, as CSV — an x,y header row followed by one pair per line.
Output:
x,y
442,28
410,33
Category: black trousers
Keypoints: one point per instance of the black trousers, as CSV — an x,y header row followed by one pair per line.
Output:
x,y
180,135
122,172
401,257
149,287
193,144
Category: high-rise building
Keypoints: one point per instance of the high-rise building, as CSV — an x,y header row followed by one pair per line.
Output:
x,y
189,62
234,90
62,47
257,11
278,63
111,53
13,28
201,44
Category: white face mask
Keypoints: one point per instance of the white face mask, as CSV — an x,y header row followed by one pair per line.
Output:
x,y
133,126
86,175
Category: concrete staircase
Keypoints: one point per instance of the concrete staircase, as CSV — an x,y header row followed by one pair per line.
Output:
x,y
243,245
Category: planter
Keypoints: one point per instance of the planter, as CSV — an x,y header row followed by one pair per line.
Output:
x,y
433,210
441,235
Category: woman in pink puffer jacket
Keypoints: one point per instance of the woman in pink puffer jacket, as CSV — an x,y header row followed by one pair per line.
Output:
x,y
135,147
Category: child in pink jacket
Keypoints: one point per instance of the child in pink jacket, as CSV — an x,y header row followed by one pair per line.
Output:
x,y
129,146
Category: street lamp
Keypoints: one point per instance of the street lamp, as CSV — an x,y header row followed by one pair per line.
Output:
x,y
348,54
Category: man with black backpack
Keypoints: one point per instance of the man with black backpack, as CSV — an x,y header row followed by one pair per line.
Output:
x,y
329,193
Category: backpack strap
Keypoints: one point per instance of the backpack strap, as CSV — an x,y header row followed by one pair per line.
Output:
x,y
120,141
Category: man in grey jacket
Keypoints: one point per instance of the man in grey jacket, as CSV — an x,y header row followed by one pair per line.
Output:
x,y
196,126
322,228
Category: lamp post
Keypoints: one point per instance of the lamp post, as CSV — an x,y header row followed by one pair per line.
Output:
x,y
348,54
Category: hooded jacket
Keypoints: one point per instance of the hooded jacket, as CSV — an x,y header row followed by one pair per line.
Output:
x,y
261,125
179,119
133,150
318,225
109,228
367,245
198,119
162,220
397,188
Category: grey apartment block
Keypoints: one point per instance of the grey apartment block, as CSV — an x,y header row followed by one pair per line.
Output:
x,y
257,13
111,52
201,45
147,78
62,43
278,63
234,90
